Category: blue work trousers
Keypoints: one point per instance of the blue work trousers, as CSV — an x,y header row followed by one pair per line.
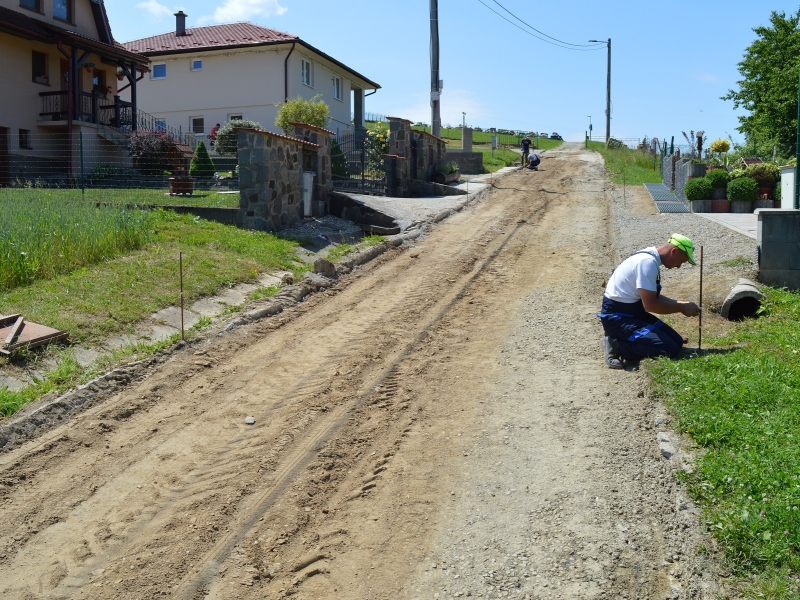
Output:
x,y
640,334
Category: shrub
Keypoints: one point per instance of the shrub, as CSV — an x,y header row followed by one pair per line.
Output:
x,y
765,174
148,150
698,189
227,141
744,189
720,145
338,160
313,112
615,144
777,193
202,165
104,170
718,178
735,174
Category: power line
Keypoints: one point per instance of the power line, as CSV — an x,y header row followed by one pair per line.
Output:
x,y
566,45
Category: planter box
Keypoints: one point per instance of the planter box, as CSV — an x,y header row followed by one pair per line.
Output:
x,y
764,203
700,206
741,206
720,206
440,177
179,186
719,194
696,170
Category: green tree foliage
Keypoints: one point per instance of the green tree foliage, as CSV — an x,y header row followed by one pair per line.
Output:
x,y
313,112
768,88
202,165
227,139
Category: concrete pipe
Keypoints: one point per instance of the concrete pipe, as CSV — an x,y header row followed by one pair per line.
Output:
x,y
744,300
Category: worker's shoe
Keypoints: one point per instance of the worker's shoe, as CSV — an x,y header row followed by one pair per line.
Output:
x,y
611,353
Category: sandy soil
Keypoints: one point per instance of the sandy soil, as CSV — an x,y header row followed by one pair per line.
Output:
x,y
438,424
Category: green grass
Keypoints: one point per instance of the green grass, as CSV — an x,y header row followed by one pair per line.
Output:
x,y
108,297
125,196
740,403
339,251
631,167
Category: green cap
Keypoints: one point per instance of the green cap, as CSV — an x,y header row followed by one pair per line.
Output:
x,y
683,243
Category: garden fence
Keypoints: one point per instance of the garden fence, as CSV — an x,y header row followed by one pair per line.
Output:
x,y
98,165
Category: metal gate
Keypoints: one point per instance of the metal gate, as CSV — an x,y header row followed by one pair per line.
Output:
x,y
357,164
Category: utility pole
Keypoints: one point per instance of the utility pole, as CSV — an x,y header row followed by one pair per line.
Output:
x,y
608,92
436,87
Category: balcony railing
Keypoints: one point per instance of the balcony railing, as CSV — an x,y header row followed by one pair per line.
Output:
x,y
115,113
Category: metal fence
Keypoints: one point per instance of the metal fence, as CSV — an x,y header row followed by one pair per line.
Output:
x,y
97,163
357,163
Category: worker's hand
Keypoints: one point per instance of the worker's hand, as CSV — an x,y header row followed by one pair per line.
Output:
x,y
690,309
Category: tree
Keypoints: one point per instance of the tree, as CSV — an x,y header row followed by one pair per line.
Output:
x,y
227,139
313,112
202,165
768,88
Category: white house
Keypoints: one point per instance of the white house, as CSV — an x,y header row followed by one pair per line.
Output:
x,y
206,75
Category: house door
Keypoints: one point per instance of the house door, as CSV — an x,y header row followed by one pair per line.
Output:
x,y
4,166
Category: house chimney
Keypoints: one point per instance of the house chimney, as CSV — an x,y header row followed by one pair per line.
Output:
x,y
180,23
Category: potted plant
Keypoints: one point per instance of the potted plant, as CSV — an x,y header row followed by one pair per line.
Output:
x,y
697,168
120,75
765,176
447,173
698,193
720,147
742,193
89,66
718,178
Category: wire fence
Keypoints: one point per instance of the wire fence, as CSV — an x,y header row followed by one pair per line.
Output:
x,y
103,165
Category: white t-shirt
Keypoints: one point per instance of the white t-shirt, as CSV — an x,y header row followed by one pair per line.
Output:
x,y
639,270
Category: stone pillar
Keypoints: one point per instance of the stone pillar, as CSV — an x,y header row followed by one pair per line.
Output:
x,y
399,137
358,110
396,169
466,139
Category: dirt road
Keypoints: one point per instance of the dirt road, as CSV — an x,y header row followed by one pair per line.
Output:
x,y
438,424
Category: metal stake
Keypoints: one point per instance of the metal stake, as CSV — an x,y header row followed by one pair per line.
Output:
x,y
700,323
183,336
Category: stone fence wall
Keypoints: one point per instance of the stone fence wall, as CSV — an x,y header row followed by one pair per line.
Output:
x,y
271,168
422,155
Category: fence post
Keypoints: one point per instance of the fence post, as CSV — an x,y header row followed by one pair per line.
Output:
x,y
80,141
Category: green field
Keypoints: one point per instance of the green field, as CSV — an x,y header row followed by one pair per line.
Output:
x,y
629,167
138,196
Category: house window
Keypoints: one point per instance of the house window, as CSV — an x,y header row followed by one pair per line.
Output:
x,y
337,87
32,4
197,65
161,125
24,138
234,118
62,10
198,125
159,71
39,67
307,72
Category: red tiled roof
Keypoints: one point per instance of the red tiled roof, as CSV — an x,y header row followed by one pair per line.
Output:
x,y
213,36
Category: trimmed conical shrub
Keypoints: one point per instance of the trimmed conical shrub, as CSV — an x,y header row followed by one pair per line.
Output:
x,y
202,165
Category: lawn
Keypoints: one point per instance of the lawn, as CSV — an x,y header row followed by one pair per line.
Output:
x,y
629,167
740,403
122,195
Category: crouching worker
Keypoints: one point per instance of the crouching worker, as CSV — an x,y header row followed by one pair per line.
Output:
x,y
533,161
632,294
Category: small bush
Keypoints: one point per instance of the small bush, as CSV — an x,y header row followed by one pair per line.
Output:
x,y
718,178
743,189
148,150
338,160
227,142
698,189
777,193
735,174
720,145
765,174
615,144
298,110
202,165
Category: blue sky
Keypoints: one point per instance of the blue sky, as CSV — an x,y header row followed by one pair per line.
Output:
x,y
670,62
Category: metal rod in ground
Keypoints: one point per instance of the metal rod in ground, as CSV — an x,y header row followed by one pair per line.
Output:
x,y
700,322
183,336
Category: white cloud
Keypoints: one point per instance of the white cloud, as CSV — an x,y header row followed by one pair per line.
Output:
x,y
155,9
244,10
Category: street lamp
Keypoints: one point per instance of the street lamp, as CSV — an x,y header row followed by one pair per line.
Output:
x,y
608,91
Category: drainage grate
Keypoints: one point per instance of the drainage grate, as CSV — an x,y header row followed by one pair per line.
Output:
x,y
665,200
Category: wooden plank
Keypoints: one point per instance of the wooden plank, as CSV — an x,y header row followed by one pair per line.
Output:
x,y
14,331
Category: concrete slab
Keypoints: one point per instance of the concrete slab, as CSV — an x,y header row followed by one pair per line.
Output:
x,y
744,223
159,333
172,317
85,356
11,383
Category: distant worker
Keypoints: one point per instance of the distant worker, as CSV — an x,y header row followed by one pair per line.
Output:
x,y
526,147
632,294
213,136
533,161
